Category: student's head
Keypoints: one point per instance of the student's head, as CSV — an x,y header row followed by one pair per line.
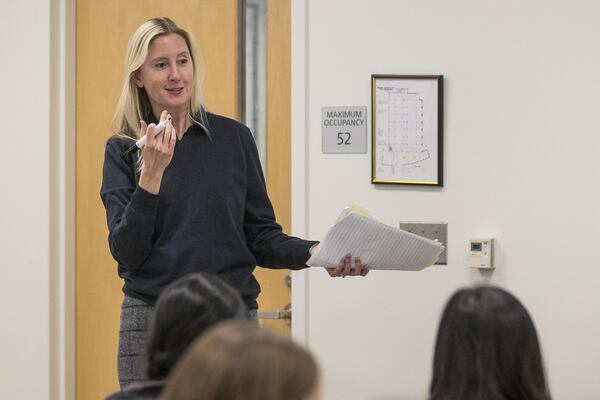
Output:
x,y
237,360
162,72
487,349
185,309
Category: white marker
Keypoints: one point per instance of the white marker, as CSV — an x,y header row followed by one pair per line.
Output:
x,y
157,129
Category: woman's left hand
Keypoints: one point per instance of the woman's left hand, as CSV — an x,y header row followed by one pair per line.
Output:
x,y
344,267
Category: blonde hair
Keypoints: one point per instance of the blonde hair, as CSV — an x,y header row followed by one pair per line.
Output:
x,y
134,104
236,360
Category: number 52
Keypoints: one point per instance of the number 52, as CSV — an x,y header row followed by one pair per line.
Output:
x,y
340,138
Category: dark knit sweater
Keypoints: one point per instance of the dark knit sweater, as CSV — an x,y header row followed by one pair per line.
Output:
x,y
148,390
212,214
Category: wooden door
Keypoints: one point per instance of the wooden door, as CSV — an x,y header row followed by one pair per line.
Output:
x,y
275,294
103,28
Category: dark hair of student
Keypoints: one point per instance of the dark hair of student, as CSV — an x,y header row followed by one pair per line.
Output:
x,y
487,349
184,310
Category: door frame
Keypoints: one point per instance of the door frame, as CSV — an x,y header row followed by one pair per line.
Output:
x,y
300,175
62,200
62,171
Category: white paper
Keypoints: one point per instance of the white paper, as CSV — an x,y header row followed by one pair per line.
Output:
x,y
378,245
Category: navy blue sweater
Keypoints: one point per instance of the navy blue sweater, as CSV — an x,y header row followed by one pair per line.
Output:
x,y
146,390
212,214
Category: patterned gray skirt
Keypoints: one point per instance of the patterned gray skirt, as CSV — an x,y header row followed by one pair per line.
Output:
x,y
136,319
136,323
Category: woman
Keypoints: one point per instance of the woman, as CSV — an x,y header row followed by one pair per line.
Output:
x,y
239,361
487,349
194,198
184,310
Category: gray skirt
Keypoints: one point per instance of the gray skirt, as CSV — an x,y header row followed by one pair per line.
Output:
x,y
136,318
132,359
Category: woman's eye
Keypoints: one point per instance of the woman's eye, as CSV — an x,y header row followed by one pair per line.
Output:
x,y
183,61
160,65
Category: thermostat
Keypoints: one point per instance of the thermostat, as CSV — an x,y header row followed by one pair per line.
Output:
x,y
481,253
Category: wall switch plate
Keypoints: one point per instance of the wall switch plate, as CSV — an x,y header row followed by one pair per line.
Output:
x,y
433,231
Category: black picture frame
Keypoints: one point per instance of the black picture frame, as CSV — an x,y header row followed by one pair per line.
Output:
x,y
407,129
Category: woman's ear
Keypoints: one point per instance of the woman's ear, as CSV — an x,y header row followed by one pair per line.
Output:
x,y
138,81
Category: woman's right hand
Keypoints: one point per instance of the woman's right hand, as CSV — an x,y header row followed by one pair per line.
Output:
x,y
156,154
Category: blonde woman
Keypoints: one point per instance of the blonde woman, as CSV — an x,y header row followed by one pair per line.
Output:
x,y
238,361
193,199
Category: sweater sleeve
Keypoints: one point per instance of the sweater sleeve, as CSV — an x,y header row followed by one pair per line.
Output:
x,y
130,210
265,238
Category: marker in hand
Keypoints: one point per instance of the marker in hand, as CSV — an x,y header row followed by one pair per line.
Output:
x,y
157,129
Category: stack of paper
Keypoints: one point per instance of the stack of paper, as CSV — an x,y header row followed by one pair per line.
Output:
x,y
378,245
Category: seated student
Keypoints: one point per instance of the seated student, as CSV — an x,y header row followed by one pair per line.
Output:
x,y
237,360
185,309
487,349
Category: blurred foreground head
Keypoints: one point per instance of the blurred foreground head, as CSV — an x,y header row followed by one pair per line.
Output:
x,y
239,361
487,349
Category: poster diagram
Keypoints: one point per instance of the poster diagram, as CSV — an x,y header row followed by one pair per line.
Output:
x,y
405,148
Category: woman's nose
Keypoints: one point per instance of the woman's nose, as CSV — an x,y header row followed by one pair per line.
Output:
x,y
174,75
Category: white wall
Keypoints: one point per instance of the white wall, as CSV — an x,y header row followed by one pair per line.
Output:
x,y
24,237
521,107
34,357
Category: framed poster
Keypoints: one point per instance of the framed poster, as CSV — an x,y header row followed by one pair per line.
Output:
x,y
407,129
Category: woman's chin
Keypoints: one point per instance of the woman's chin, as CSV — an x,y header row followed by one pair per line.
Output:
x,y
175,107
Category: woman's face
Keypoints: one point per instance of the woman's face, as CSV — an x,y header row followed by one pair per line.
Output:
x,y
167,75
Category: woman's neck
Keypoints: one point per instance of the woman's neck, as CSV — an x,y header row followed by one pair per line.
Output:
x,y
181,122
180,119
